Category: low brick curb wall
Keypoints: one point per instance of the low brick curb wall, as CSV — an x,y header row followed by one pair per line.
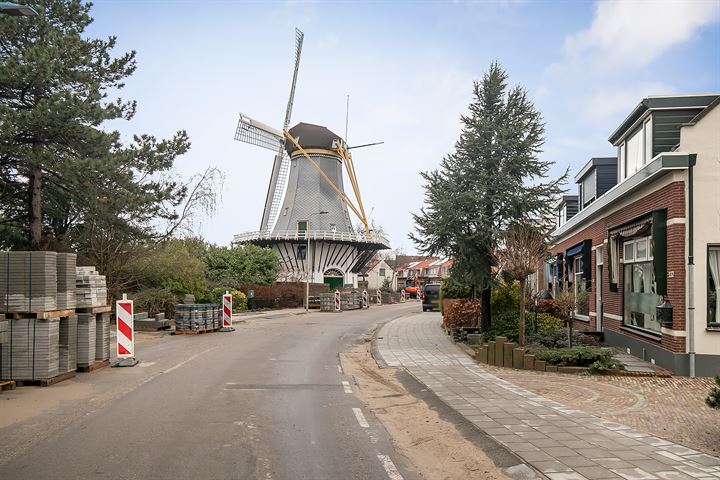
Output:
x,y
503,353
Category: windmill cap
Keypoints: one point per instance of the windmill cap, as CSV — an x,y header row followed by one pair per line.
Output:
x,y
311,136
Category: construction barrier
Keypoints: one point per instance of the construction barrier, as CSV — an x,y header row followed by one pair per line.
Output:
x,y
227,310
125,339
337,300
365,300
402,296
378,296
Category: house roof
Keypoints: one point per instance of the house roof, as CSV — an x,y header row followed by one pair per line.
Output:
x,y
661,102
370,265
705,111
595,161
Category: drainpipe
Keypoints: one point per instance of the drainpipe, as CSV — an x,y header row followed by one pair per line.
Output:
x,y
691,270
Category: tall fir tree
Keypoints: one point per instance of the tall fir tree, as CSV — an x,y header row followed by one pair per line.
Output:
x,y
492,180
62,174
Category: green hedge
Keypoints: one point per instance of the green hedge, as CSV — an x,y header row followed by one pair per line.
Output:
x,y
597,359
507,325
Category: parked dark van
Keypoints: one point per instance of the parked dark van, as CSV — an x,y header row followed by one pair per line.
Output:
x,y
431,297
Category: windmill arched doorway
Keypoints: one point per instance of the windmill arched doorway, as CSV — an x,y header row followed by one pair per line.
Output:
x,y
334,277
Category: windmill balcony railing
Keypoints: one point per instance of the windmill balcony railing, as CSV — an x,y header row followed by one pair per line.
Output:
x,y
328,235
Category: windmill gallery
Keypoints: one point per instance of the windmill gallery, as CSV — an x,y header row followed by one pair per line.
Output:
x,y
306,218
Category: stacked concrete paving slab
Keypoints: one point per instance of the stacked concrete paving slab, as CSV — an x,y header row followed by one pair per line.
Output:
x,y
102,336
66,278
28,281
197,317
86,338
68,344
4,334
91,288
33,350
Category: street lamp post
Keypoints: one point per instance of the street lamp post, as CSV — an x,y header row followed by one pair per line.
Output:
x,y
307,261
17,10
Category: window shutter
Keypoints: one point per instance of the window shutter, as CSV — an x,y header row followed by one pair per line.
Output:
x,y
659,243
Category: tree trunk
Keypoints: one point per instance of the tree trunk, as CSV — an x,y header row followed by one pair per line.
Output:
x,y
35,189
521,324
485,313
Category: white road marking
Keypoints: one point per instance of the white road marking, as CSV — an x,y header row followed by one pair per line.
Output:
x,y
361,418
389,467
145,364
346,386
340,369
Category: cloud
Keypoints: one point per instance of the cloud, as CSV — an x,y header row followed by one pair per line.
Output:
x,y
631,33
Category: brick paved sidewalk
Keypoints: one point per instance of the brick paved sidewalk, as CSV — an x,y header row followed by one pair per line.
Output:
x,y
561,442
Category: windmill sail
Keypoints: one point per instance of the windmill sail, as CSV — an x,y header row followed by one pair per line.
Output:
x,y
281,165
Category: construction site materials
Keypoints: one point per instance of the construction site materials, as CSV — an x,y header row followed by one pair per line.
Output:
x,y
68,344
91,288
66,279
28,281
4,335
102,336
348,301
200,317
33,350
86,338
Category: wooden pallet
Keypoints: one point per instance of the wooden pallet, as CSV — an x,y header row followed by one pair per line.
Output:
x,y
101,309
41,315
96,365
195,332
7,385
45,382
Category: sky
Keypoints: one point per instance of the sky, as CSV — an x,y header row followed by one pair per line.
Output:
x,y
408,68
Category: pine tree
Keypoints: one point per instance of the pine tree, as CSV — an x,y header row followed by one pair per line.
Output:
x,y
64,176
493,179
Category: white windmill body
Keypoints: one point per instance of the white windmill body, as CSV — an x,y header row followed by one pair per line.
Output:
x,y
306,219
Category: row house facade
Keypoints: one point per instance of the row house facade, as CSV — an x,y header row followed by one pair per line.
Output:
x,y
644,230
421,270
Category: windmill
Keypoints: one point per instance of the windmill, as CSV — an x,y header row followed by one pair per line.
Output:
x,y
306,199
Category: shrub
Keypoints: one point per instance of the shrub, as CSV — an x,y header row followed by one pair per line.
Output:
x,y
505,298
507,324
156,300
215,296
713,399
453,289
597,359
548,306
557,338
461,312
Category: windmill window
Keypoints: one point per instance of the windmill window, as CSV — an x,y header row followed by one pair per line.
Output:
x,y
285,211
302,226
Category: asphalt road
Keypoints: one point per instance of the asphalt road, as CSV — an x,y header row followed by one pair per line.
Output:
x,y
264,402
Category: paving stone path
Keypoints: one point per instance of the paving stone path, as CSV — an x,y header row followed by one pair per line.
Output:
x,y
561,442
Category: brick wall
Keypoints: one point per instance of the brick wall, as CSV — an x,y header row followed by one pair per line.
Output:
x,y
670,197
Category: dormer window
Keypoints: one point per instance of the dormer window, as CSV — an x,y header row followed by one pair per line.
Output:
x,y
637,150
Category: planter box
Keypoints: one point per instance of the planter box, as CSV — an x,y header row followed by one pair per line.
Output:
x,y
551,368
540,365
491,353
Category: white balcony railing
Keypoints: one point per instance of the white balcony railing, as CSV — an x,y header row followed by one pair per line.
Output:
x,y
288,235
